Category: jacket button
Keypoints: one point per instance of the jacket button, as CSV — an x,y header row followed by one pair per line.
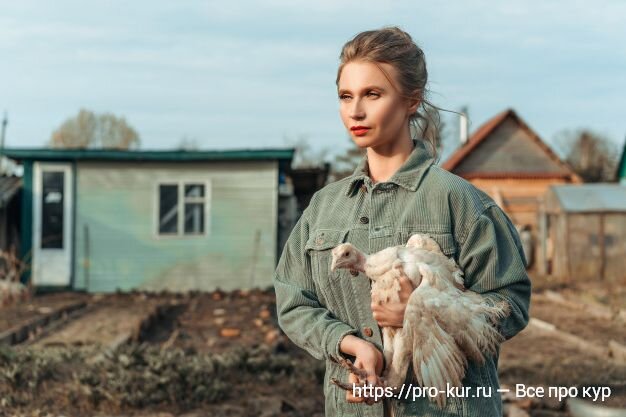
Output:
x,y
367,331
363,188
364,220
354,272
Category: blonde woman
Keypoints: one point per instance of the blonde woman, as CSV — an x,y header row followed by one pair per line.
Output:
x,y
395,191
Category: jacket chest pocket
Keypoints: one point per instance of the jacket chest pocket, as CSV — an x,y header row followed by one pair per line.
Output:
x,y
319,246
445,240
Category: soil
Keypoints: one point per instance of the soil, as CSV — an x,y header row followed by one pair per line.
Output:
x,y
580,323
219,353
37,306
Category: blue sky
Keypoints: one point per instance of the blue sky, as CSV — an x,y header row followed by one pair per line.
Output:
x,y
245,74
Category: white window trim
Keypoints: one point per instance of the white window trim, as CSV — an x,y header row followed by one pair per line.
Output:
x,y
181,209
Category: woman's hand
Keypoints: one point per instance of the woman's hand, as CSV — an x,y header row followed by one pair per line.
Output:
x,y
370,359
391,314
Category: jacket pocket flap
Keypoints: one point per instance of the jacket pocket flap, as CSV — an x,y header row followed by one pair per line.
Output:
x,y
444,240
325,239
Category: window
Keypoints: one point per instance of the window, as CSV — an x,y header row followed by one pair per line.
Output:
x,y
194,209
182,208
52,210
168,209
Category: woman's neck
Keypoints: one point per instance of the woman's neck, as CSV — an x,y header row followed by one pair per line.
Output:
x,y
383,161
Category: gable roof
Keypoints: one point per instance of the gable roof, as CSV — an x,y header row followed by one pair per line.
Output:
x,y
480,136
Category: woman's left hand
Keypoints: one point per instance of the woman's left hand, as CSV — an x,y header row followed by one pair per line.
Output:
x,y
391,314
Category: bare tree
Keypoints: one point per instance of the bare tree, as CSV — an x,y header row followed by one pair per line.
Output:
x,y
344,164
188,143
90,130
591,155
305,156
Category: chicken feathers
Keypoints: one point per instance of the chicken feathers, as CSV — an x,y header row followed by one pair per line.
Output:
x,y
444,324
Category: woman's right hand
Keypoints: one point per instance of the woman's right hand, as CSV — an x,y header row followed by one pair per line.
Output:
x,y
368,358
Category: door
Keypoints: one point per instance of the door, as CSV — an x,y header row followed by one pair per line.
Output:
x,y
52,231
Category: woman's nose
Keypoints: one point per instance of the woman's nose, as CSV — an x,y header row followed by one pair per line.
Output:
x,y
357,112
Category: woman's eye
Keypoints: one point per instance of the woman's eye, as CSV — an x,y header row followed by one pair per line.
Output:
x,y
373,94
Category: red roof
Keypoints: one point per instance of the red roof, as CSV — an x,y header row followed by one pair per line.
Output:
x,y
485,130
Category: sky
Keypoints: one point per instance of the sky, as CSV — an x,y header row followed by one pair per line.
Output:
x,y
260,74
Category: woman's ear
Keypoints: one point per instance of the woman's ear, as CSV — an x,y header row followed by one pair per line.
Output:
x,y
413,105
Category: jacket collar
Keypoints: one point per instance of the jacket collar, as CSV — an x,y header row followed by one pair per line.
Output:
x,y
408,176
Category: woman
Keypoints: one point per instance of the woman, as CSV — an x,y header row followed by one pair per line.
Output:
x,y
395,191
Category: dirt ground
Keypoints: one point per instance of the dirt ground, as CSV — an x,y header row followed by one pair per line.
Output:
x,y
219,353
36,307
537,357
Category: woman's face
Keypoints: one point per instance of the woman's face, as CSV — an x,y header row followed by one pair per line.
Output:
x,y
371,108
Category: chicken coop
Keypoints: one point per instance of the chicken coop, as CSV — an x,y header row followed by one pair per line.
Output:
x,y
584,233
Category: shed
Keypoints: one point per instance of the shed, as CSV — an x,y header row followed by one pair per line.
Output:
x,y
509,161
584,233
102,220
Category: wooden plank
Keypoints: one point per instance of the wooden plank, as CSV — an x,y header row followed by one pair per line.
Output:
x,y
590,307
594,349
602,248
582,408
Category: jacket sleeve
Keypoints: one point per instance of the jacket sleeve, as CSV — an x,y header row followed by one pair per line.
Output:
x,y
301,316
493,261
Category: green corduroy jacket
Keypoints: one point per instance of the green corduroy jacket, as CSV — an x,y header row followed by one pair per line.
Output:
x,y
317,308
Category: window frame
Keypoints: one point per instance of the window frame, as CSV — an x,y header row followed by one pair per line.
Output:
x,y
180,225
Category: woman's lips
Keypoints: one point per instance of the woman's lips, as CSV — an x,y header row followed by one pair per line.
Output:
x,y
359,130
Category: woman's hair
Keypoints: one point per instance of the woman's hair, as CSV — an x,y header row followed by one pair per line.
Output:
x,y
394,46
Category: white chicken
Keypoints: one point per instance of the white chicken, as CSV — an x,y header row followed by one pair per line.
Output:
x,y
444,324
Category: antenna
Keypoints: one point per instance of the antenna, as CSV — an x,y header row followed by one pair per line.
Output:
x,y
4,129
5,121
463,128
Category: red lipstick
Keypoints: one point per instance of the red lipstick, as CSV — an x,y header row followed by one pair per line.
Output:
x,y
359,130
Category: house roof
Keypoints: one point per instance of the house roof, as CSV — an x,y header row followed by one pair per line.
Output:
x,y
591,197
46,154
486,130
9,186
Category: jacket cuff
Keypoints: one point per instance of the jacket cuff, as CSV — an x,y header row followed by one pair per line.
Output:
x,y
514,322
333,339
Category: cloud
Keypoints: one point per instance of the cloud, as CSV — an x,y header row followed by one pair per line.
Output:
x,y
249,71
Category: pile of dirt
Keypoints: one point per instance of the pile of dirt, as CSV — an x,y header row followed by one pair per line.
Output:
x,y
217,321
